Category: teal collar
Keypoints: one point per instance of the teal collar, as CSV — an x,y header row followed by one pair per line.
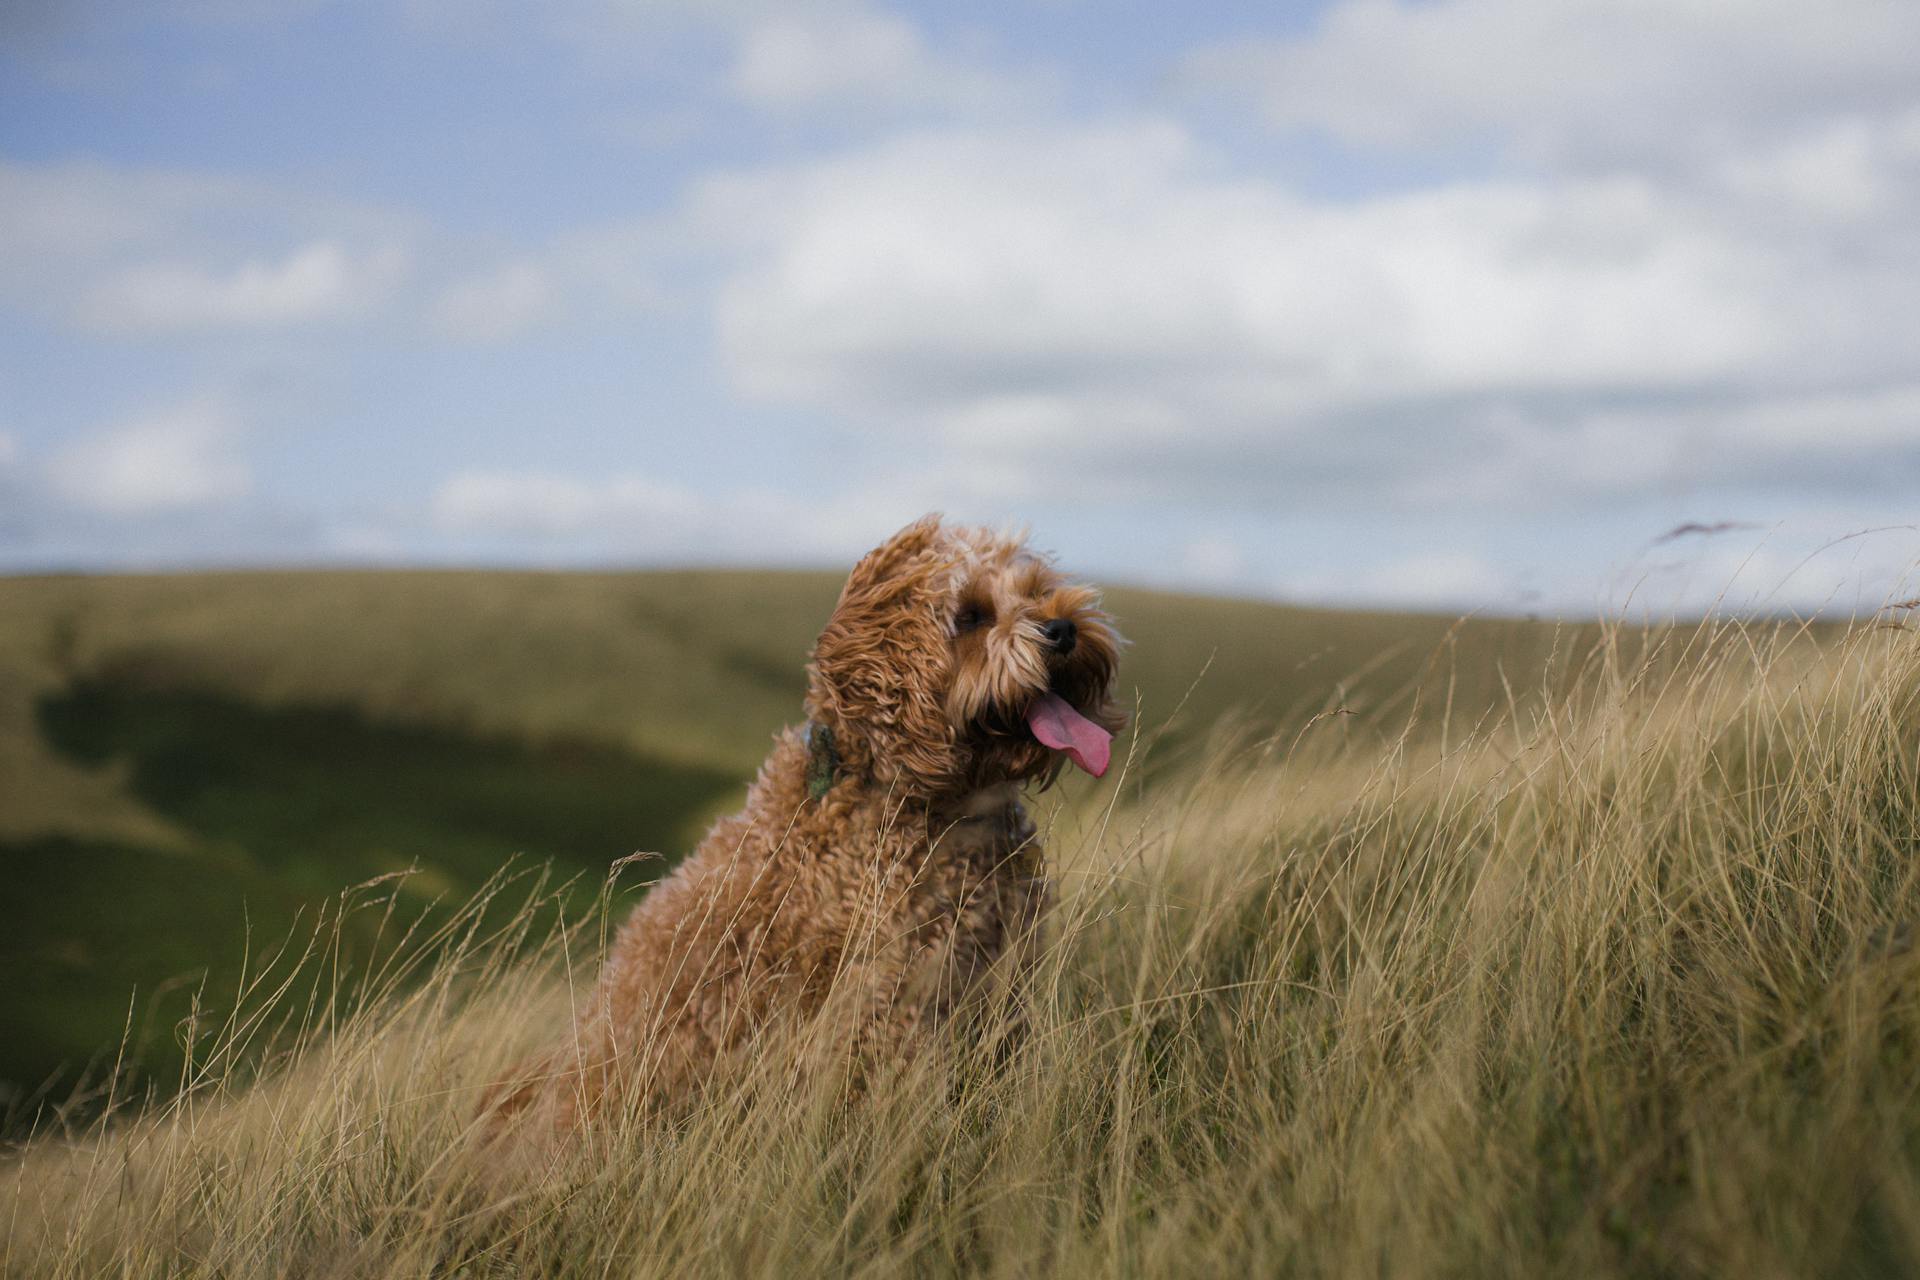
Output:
x,y
823,761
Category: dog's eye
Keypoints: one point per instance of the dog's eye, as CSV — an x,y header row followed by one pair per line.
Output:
x,y
970,618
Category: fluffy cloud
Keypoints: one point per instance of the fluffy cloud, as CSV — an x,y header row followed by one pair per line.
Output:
x,y
162,488
315,282
545,505
855,62
1577,81
1425,580
179,458
149,251
856,58
77,209
1113,305
496,305
636,517
1213,561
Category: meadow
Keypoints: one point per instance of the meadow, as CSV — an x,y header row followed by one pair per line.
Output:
x,y
191,765
1397,946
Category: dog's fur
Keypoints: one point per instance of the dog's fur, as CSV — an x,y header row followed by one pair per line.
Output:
x,y
896,885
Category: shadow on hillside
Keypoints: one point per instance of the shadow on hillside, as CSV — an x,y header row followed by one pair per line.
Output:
x,y
325,795
284,806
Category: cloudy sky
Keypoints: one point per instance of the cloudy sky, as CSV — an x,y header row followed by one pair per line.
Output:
x,y
1456,304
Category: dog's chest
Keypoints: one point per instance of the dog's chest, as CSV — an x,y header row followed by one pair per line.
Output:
x,y
989,830
983,869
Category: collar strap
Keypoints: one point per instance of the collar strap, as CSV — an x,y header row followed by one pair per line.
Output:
x,y
823,761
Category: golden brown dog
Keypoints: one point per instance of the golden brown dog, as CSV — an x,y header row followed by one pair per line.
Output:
x,y
884,867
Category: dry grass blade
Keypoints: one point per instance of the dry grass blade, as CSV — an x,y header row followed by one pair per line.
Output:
x,y
1617,982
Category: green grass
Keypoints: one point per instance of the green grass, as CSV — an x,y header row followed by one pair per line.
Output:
x,y
191,764
1617,979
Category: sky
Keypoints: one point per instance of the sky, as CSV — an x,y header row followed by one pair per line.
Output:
x,y
1460,304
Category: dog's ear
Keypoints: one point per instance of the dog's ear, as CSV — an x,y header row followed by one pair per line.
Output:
x,y
881,666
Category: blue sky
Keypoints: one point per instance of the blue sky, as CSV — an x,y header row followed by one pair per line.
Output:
x,y
1457,304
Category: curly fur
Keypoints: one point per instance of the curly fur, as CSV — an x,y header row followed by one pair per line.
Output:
x,y
889,899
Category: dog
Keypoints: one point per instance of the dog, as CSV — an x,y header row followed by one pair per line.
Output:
x,y
884,872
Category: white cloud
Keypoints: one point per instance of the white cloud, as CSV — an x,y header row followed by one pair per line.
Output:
x,y
68,210
1584,81
831,57
176,459
1212,561
133,252
1439,579
635,517
548,505
315,282
1110,305
857,60
1760,450
496,305
152,251
1845,170
958,266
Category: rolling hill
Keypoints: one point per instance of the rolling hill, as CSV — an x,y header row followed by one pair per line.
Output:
x,y
190,763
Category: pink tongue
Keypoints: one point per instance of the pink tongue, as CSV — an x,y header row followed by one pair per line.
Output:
x,y
1056,724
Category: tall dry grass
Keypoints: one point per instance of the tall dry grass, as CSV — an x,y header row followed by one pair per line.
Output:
x,y
1620,981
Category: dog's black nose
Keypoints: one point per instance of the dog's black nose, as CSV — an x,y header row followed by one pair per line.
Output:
x,y
1061,634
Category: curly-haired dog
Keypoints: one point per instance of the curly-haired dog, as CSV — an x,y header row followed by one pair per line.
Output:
x,y
884,867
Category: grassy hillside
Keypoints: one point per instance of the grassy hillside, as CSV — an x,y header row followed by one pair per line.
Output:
x,y
1616,982
190,763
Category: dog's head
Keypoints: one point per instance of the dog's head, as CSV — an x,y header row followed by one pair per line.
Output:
x,y
958,658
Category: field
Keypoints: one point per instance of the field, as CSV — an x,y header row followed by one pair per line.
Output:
x,y
190,765
1397,947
